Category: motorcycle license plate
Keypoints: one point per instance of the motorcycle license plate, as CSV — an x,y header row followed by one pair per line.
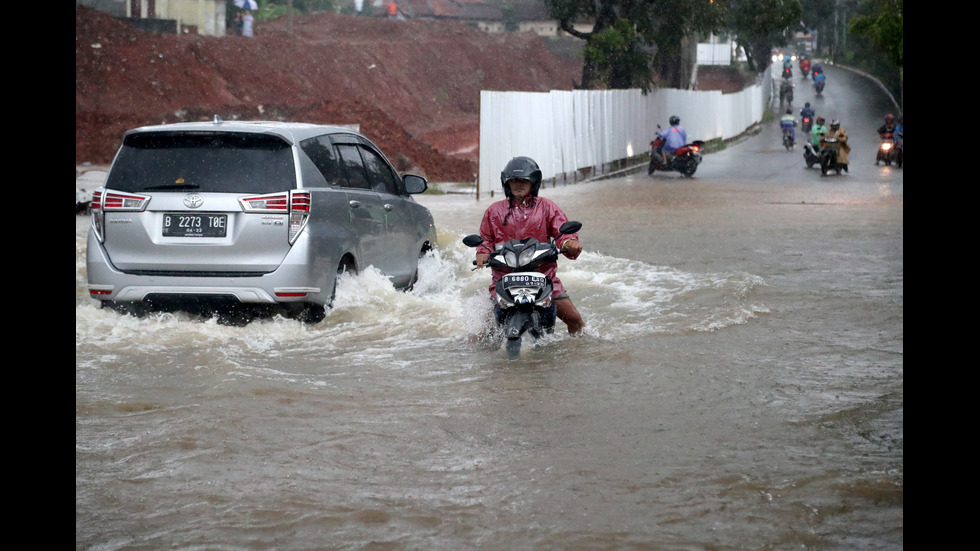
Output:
x,y
194,225
522,280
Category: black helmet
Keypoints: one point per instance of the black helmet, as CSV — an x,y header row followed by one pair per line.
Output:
x,y
789,111
674,119
807,104
835,124
521,168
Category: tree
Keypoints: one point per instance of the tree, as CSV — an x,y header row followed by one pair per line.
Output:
x,y
761,25
632,40
818,15
884,28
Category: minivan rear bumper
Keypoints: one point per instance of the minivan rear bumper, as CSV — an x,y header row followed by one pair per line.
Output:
x,y
296,280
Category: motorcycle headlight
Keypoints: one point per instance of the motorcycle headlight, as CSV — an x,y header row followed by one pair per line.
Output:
x,y
510,259
525,257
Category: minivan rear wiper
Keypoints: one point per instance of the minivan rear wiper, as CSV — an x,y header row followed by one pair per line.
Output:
x,y
172,186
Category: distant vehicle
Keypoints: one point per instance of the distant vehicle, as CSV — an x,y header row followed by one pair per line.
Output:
x,y
250,215
685,160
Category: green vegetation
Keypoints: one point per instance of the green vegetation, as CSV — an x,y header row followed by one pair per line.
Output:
x,y
878,43
274,9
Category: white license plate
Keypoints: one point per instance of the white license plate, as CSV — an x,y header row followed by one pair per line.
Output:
x,y
195,225
522,280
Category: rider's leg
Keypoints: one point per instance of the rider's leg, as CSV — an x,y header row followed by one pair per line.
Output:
x,y
569,314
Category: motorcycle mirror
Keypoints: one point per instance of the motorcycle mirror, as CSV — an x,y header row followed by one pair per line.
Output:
x,y
570,227
472,240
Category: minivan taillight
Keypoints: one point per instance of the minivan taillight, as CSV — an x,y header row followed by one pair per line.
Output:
x,y
104,201
295,203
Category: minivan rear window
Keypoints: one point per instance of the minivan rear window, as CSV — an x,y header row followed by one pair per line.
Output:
x,y
203,162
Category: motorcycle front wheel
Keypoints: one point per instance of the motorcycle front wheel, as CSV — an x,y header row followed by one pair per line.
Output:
x,y
513,347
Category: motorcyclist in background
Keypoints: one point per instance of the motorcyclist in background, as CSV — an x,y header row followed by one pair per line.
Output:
x,y
843,148
804,64
785,92
900,132
817,132
819,78
817,69
807,111
787,122
889,126
674,137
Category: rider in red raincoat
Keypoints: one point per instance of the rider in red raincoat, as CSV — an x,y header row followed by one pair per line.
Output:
x,y
521,215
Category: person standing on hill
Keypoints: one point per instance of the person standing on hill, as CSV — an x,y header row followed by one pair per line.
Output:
x,y
247,21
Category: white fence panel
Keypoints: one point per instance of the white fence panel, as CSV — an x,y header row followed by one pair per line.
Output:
x,y
571,131
715,54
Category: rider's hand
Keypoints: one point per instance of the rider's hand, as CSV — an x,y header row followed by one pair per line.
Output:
x,y
481,260
571,248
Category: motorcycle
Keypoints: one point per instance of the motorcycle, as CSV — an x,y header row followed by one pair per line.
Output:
x,y
888,150
810,155
685,160
806,124
805,67
785,93
524,295
828,157
900,145
818,86
788,142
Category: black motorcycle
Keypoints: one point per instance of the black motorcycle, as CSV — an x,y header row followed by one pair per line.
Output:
x,y
524,295
806,124
788,141
888,150
828,157
810,155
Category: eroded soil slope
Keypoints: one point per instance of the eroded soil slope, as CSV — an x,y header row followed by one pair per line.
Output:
x,y
412,86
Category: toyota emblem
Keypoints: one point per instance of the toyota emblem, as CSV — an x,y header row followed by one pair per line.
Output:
x,y
193,201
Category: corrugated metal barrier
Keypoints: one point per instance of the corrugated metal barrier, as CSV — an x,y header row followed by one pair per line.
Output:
x,y
579,134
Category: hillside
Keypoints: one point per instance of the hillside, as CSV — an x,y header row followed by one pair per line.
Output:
x,y
412,86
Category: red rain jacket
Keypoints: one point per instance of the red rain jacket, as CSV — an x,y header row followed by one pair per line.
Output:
x,y
540,219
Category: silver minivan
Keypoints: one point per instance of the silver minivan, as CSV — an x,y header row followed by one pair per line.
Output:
x,y
250,214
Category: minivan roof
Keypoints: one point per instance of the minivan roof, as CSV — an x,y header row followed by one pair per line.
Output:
x,y
292,132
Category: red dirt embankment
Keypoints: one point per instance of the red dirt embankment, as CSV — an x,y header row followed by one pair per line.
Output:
x,y
412,86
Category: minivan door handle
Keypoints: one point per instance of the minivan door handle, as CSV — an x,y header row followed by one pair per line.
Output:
x,y
354,204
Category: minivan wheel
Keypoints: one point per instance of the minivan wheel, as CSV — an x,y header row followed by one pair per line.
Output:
x,y
347,265
415,276
308,312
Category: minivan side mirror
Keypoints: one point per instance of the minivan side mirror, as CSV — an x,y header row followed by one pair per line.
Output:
x,y
415,184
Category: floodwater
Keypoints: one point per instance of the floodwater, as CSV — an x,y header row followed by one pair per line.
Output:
x,y
739,386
